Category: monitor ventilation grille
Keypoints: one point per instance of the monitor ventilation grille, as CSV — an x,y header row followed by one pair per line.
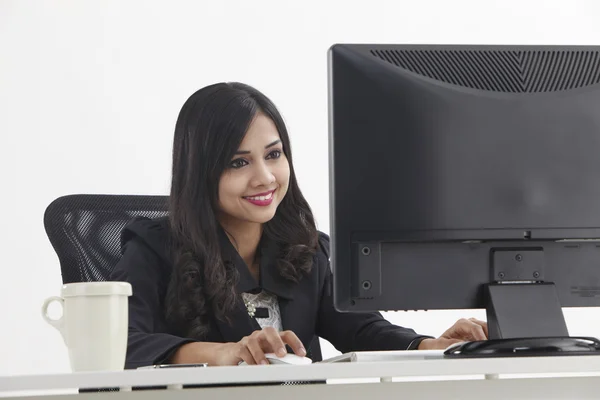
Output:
x,y
528,71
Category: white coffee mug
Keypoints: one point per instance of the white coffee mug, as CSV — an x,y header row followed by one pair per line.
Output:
x,y
93,324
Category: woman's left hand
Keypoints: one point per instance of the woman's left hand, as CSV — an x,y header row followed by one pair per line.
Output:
x,y
464,330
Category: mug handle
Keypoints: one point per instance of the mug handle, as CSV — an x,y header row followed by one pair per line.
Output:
x,y
57,323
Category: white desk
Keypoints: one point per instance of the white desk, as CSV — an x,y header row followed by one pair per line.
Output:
x,y
500,378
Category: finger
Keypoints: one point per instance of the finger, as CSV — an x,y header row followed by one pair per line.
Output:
x,y
255,348
273,341
483,325
292,340
465,330
245,354
473,331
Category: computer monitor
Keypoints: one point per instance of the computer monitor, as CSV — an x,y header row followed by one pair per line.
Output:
x,y
466,177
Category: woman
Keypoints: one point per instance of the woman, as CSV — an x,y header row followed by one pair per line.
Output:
x,y
238,269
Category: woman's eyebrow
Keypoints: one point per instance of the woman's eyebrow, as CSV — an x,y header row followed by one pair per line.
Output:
x,y
266,147
273,144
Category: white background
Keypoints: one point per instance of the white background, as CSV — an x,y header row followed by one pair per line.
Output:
x,y
90,91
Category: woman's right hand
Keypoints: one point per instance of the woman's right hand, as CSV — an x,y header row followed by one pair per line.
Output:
x,y
252,349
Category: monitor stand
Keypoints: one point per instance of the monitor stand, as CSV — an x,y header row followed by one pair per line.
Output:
x,y
524,319
517,310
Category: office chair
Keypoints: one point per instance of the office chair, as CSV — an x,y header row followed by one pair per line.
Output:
x,y
85,231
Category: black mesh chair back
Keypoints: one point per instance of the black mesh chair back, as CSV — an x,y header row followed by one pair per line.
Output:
x,y
85,231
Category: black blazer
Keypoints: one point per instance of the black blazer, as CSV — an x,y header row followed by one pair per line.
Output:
x,y
306,307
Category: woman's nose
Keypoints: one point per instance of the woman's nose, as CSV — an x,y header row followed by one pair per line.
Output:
x,y
263,175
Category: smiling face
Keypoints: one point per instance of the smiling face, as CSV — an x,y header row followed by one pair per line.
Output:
x,y
257,178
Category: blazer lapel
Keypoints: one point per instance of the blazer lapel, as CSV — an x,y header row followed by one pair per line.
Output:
x,y
241,324
294,317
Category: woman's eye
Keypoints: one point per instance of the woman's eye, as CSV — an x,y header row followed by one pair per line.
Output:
x,y
238,163
274,154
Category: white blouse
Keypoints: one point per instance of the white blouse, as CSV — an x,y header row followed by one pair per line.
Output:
x,y
268,301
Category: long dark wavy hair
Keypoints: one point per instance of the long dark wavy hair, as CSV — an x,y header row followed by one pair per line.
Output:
x,y
209,130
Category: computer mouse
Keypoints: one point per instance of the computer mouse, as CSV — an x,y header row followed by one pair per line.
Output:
x,y
288,359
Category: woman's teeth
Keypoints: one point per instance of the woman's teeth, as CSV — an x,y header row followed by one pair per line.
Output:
x,y
261,198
